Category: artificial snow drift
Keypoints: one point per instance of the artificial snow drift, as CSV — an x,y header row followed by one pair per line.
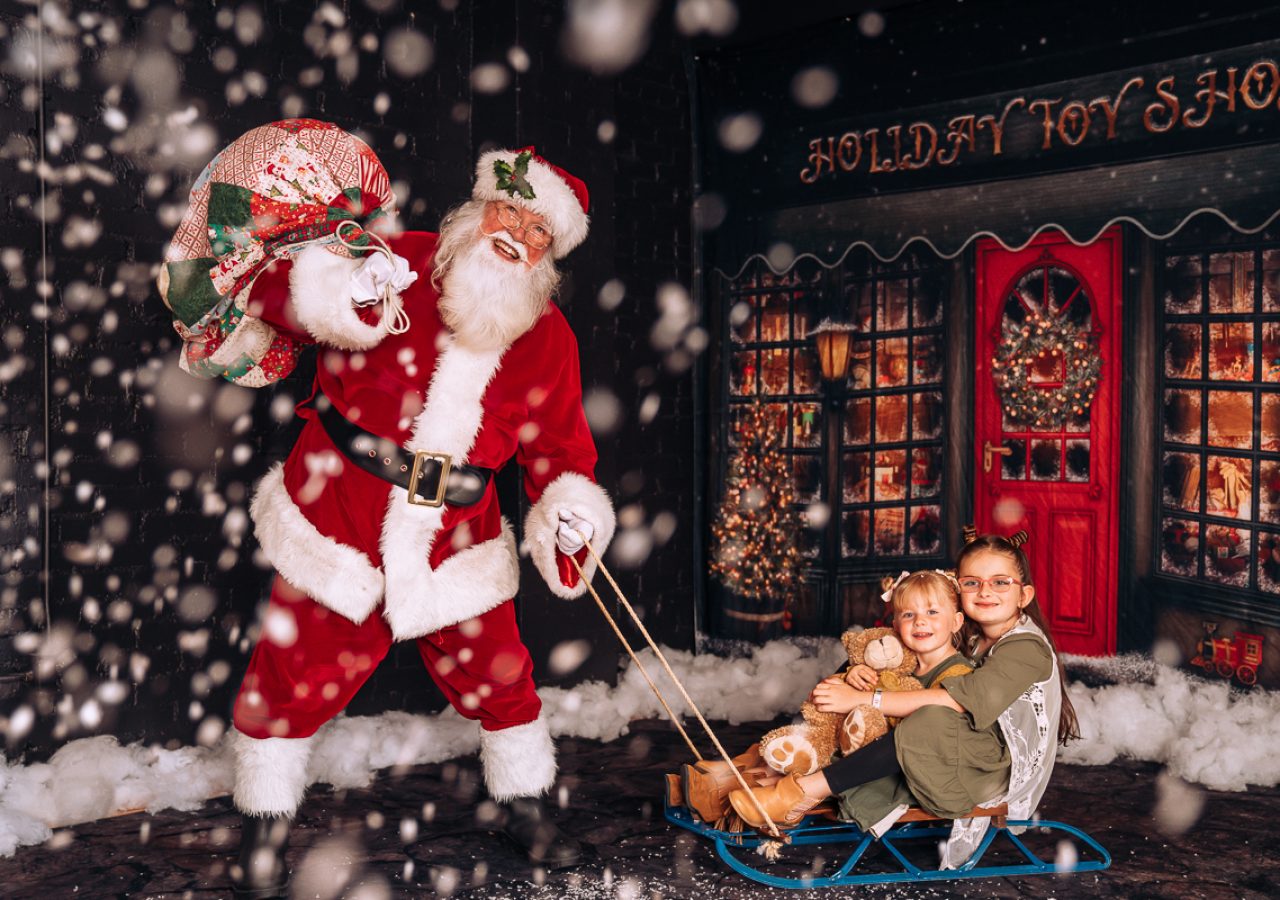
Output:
x,y
1201,730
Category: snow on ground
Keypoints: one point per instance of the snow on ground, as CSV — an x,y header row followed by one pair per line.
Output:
x,y
1200,729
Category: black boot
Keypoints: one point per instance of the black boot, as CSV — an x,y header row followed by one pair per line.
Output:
x,y
260,873
528,824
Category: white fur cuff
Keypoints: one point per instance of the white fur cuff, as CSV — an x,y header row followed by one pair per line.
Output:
x,y
271,774
319,285
519,761
336,576
585,498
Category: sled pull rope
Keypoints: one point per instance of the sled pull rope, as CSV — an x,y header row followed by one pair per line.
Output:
x,y
675,720
604,570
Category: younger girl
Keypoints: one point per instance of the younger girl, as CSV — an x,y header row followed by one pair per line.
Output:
x,y
986,737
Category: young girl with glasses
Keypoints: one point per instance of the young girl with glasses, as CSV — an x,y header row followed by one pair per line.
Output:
x,y
987,737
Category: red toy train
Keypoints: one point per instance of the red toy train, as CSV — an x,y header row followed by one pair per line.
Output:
x,y
1239,655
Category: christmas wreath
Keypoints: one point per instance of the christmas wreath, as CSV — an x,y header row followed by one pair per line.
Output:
x,y
1038,406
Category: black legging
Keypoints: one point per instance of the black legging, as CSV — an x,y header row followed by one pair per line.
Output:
x,y
875,760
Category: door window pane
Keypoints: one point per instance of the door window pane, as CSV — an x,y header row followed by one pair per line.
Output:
x,y
1077,457
1013,465
1046,459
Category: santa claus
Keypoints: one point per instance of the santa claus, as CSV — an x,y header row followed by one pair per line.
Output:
x,y
438,362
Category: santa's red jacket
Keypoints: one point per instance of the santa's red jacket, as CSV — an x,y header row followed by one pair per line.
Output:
x,y
349,539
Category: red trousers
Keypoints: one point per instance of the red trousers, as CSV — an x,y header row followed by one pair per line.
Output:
x,y
310,661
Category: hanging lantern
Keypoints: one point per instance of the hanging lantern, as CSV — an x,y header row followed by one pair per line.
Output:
x,y
834,341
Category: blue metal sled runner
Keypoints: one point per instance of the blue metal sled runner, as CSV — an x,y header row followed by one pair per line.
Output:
x,y
822,832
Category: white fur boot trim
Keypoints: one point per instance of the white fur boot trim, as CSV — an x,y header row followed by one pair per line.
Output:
x,y
519,761
336,576
587,499
320,288
271,774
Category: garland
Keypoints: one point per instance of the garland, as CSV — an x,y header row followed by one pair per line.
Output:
x,y
1046,407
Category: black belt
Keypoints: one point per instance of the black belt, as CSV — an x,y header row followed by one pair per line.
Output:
x,y
432,479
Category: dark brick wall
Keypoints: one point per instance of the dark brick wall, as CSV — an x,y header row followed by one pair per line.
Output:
x,y
153,579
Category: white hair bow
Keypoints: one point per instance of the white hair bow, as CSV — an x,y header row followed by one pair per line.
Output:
x,y
887,596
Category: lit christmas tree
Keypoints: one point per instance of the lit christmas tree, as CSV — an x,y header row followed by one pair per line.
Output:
x,y
755,536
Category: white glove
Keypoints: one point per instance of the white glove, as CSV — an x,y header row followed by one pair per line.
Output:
x,y
567,538
375,273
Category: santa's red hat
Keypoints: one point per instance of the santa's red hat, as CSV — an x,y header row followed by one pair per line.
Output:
x,y
523,177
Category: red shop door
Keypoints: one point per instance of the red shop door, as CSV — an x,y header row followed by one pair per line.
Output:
x,y
1054,474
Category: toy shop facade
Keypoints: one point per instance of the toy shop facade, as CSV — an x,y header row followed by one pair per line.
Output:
x,y
1054,308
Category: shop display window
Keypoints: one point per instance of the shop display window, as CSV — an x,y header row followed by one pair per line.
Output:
x,y
1220,428
891,454
883,477
771,357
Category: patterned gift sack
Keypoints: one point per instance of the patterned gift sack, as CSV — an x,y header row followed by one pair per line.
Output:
x,y
269,194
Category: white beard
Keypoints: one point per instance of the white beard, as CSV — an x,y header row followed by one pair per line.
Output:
x,y
488,302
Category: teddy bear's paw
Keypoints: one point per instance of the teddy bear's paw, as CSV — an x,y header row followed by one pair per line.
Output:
x,y
790,754
862,726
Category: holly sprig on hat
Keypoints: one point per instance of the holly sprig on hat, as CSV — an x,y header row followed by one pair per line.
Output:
x,y
515,180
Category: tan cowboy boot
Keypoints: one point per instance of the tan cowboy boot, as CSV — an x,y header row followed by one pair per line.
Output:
x,y
706,784
785,802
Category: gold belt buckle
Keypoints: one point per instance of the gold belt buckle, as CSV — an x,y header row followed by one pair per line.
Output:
x,y
446,463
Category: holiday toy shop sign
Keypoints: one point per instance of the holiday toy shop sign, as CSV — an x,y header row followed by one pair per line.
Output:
x,y
1207,101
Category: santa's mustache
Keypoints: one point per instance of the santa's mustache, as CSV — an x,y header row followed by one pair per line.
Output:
x,y
518,248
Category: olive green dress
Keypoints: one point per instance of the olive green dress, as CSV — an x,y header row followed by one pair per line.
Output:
x,y
951,761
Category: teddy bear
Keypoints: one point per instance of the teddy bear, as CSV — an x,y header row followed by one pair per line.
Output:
x,y
803,748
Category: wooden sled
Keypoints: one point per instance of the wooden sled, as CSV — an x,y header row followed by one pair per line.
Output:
x,y
867,866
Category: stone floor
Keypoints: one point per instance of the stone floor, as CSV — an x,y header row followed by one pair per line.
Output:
x,y
420,833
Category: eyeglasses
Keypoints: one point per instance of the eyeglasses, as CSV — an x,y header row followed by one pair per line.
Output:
x,y
1001,584
536,235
